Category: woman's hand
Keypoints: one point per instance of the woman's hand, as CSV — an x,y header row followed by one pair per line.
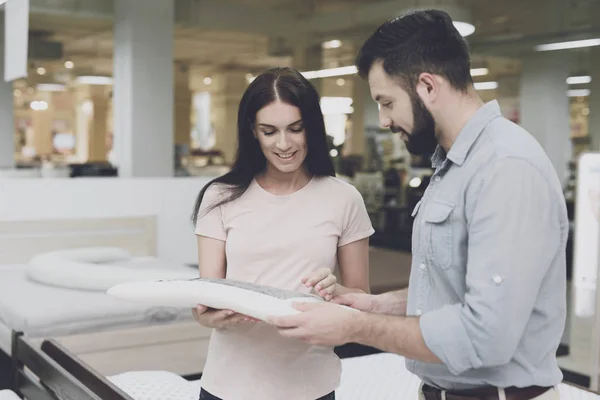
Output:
x,y
219,319
324,283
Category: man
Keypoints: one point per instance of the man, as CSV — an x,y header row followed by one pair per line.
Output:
x,y
486,303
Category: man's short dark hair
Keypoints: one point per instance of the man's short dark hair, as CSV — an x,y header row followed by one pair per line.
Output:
x,y
417,42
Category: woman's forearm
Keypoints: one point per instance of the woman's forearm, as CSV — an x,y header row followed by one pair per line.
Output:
x,y
392,303
341,289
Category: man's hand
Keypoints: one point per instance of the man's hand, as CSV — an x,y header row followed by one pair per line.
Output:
x,y
321,324
390,303
360,301
218,319
323,281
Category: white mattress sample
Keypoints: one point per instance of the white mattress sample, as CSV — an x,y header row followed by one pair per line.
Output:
x,y
40,310
378,376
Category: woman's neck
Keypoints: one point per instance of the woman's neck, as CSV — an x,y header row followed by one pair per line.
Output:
x,y
281,183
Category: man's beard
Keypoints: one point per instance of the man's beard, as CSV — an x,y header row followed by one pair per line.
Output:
x,y
421,141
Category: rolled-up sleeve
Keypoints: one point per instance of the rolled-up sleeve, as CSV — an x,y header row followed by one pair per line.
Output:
x,y
514,233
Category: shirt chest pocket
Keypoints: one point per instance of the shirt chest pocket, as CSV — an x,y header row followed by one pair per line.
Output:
x,y
438,232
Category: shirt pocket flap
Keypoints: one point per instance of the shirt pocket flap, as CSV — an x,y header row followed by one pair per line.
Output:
x,y
438,211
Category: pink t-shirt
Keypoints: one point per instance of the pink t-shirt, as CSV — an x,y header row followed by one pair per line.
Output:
x,y
276,240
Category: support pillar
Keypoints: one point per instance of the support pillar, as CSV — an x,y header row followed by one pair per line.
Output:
x,y
231,85
545,106
92,108
42,124
309,57
355,146
594,100
182,106
143,88
7,127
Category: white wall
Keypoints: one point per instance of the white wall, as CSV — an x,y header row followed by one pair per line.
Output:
x,y
171,200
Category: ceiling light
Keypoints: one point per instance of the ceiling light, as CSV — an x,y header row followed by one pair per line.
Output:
x,y
351,70
328,73
464,28
332,44
94,80
207,81
574,44
38,105
485,85
415,182
479,71
69,64
578,80
461,16
578,92
50,87
41,71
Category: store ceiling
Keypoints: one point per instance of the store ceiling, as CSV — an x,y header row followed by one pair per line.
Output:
x,y
245,33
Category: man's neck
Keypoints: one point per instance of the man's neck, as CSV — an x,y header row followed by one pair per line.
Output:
x,y
453,118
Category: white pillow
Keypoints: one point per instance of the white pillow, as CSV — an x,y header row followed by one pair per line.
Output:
x,y
8,395
257,301
97,268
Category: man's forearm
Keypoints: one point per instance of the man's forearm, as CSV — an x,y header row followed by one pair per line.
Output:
x,y
399,335
392,303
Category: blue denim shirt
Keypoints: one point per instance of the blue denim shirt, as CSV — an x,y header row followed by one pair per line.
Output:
x,y
488,274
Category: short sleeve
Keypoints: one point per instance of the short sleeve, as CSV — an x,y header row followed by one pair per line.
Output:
x,y
357,223
210,218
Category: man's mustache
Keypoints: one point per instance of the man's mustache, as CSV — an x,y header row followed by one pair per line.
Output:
x,y
396,129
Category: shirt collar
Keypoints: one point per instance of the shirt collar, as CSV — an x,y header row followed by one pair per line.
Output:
x,y
467,136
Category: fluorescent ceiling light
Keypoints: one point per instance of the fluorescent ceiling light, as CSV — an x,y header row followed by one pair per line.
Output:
x,y
574,44
94,80
352,69
578,80
50,87
578,92
485,85
327,73
479,71
332,44
464,28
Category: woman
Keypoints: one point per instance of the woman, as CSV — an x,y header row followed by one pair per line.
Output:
x,y
279,218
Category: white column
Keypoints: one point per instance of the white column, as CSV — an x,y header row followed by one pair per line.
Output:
x,y
7,129
143,88
594,100
230,86
308,57
545,105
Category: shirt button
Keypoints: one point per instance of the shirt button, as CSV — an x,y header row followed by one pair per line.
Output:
x,y
422,267
497,279
419,311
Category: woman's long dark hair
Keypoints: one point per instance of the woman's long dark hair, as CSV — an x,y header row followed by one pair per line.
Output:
x,y
289,86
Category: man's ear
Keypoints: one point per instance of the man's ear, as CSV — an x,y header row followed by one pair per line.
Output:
x,y
427,88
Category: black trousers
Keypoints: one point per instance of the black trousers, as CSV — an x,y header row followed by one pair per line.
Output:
x,y
204,395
